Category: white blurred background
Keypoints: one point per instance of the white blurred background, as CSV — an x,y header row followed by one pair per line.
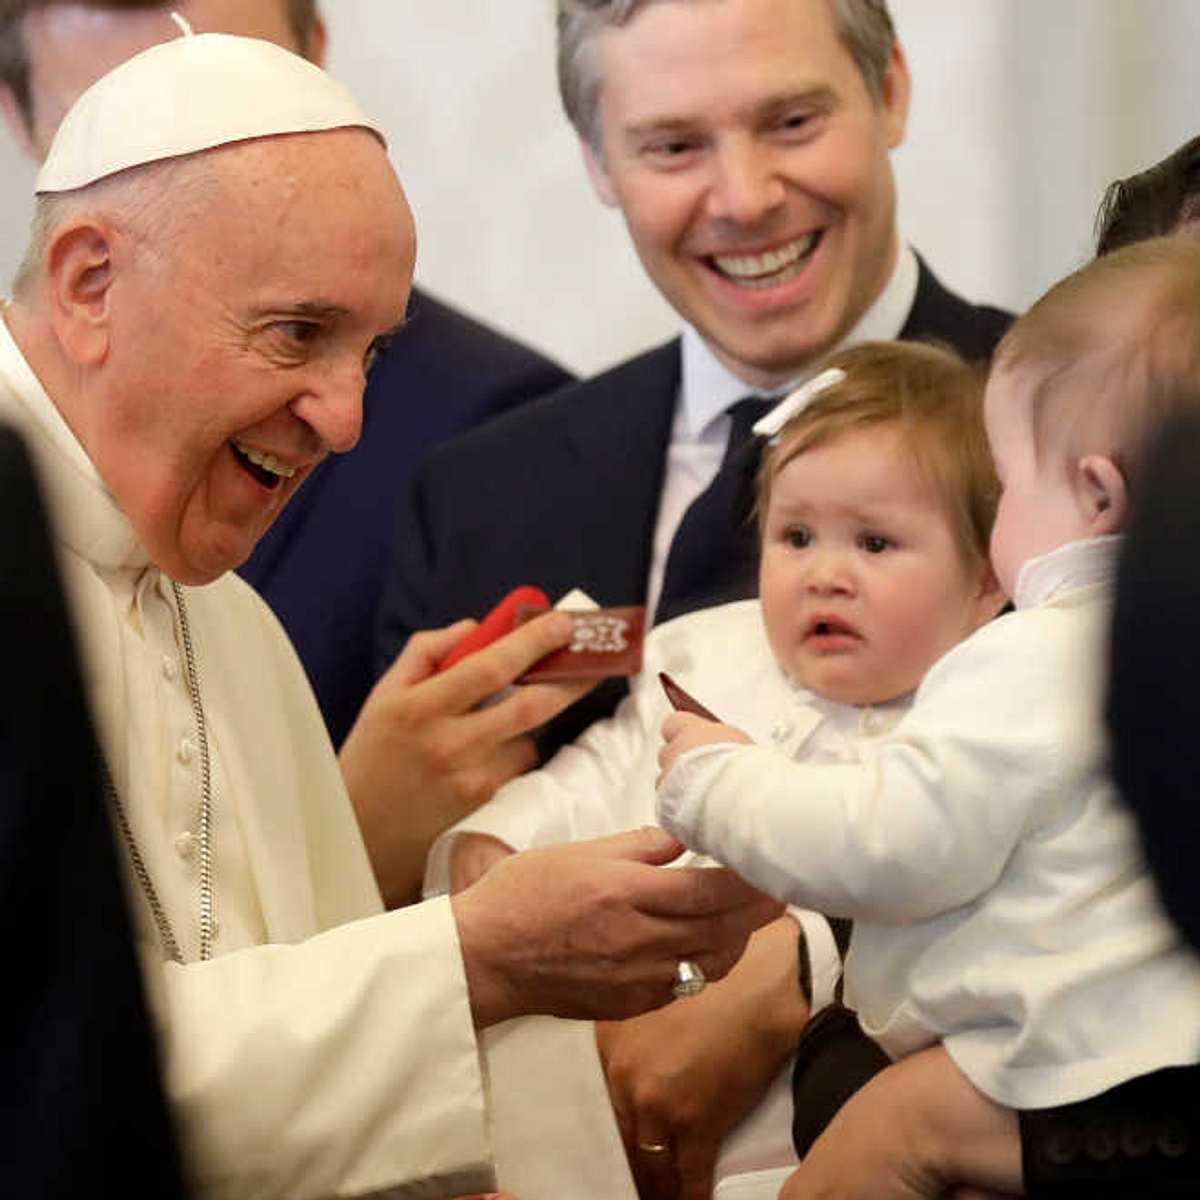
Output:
x,y
1022,111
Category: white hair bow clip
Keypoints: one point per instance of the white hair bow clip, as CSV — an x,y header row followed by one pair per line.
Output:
x,y
796,402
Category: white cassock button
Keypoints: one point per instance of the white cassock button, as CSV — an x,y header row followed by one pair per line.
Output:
x,y
185,845
187,748
781,731
169,669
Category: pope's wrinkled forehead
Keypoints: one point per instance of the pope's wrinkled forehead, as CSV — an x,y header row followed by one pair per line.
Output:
x,y
193,93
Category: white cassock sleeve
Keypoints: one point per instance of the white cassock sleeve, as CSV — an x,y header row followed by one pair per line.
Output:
x,y
342,1066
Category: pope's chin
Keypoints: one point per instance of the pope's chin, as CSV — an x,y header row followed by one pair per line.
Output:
x,y
195,560
220,526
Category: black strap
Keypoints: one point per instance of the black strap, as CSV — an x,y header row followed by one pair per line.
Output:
x,y
834,1058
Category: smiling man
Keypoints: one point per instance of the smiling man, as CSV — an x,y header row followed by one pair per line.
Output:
x,y
746,143
186,342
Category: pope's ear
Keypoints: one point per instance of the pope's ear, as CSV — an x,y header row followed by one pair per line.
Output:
x,y
598,174
1103,495
79,273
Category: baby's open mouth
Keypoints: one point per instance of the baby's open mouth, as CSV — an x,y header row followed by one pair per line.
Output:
x,y
830,627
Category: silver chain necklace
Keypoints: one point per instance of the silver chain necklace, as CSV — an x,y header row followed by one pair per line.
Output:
x,y
207,915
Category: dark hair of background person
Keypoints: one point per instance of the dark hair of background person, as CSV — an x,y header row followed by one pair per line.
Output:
x,y
14,56
1153,696
1152,203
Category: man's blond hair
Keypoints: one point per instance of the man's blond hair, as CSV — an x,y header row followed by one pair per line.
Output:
x,y
864,27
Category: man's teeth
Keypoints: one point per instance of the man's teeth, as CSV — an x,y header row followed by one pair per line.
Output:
x,y
764,269
268,462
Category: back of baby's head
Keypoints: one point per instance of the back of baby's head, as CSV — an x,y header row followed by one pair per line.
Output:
x,y
934,398
1108,354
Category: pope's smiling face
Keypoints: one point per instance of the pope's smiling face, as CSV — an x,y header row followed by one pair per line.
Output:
x,y
752,167
236,353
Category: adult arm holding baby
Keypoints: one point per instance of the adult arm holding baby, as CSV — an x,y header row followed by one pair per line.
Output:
x,y
683,1076
916,1131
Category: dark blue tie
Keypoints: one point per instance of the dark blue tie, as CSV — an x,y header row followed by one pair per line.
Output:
x,y
714,554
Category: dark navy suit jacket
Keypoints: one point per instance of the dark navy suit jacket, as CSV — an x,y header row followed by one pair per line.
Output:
x,y
564,493
322,565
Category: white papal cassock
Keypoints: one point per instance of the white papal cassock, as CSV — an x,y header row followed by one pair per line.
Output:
x,y
327,1047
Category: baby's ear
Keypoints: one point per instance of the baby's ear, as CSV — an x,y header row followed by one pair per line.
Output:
x,y
990,598
1103,496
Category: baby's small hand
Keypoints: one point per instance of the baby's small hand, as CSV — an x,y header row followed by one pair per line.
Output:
x,y
684,731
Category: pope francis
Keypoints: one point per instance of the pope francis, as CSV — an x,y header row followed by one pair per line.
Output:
x,y
219,244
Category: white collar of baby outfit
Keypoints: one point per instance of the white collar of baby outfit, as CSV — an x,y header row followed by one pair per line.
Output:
x,y
1078,564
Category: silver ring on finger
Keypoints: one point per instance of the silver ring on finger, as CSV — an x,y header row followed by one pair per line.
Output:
x,y
654,1148
689,979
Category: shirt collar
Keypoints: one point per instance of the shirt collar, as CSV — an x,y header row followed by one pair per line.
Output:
x,y
708,387
86,516
853,719
1078,564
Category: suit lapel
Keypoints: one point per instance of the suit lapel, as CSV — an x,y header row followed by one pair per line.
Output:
x,y
927,317
615,455
937,314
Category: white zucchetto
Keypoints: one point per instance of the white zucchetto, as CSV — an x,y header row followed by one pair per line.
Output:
x,y
192,93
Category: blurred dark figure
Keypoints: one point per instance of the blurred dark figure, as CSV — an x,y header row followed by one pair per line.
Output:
x,y
83,1113
1154,689
1160,201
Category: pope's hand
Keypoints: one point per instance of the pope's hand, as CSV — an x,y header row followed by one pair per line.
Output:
x,y
472,856
596,929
